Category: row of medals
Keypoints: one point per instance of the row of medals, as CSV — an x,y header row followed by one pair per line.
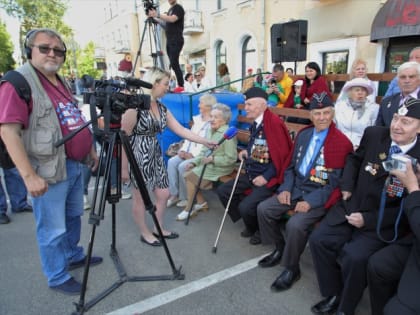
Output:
x,y
259,150
319,174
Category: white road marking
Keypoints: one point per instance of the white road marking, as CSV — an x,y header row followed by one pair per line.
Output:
x,y
189,288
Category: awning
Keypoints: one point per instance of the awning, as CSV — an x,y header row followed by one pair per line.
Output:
x,y
397,18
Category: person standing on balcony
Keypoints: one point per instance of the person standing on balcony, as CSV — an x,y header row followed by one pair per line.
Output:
x,y
174,28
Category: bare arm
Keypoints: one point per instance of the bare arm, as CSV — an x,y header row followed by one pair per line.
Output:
x,y
164,17
128,122
11,135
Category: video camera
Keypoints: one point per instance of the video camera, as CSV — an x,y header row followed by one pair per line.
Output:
x,y
149,5
398,161
120,95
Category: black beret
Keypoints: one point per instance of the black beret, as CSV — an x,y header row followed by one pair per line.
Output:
x,y
410,108
255,92
320,101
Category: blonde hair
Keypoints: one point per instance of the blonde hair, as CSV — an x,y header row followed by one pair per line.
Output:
x,y
155,75
355,63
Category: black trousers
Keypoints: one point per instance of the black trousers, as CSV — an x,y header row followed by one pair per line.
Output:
x,y
340,254
174,50
242,206
384,272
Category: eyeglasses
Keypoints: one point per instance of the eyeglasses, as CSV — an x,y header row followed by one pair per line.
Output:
x,y
46,50
197,75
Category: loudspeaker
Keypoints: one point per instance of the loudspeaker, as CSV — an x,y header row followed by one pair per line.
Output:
x,y
288,41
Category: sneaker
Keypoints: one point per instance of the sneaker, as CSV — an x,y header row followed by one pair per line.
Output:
x,y
182,203
201,206
86,203
27,208
70,287
94,260
4,219
171,202
125,191
183,215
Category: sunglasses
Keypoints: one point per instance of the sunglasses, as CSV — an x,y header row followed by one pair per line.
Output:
x,y
46,50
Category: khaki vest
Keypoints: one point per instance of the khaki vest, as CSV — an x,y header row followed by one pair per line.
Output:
x,y
43,131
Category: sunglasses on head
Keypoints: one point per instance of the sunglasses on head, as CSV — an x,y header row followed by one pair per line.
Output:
x,y
46,50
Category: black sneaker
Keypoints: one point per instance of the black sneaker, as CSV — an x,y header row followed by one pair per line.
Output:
x,y
70,287
27,208
4,219
94,260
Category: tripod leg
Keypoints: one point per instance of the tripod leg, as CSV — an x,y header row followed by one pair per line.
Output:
x,y
197,188
145,194
227,206
96,216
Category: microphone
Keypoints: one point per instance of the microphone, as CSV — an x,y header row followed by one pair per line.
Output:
x,y
229,134
138,83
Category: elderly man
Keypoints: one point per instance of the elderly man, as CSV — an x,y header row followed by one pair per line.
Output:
x,y
309,188
53,176
282,79
367,216
266,158
408,75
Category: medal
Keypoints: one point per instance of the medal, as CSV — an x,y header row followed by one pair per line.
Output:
x,y
382,156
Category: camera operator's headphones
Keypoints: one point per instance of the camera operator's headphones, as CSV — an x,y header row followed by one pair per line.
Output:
x,y
32,33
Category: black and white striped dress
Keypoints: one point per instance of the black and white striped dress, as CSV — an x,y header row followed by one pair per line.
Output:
x,y
147,150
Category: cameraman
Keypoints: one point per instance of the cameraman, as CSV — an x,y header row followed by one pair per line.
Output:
x,y
174,27
394,272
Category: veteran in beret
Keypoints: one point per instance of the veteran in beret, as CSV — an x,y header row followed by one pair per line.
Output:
x,y
265,156
309,189
367,218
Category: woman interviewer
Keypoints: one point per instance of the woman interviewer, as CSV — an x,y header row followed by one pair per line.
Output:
x,y
143,126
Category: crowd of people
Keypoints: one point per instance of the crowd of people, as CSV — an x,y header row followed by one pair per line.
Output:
x,y
345,173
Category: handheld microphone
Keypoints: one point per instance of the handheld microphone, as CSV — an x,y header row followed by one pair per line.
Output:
x,y
229,134
138,83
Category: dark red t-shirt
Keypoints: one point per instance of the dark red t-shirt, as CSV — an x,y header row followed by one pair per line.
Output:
x,y
14,109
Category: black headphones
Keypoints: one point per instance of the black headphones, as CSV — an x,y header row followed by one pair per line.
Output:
x,y
28,49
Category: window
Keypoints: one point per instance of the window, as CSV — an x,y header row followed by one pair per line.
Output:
x,y
249,55
220,53
219,5
335,62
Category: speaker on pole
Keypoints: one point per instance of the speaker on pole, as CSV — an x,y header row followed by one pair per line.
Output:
x,y
288,41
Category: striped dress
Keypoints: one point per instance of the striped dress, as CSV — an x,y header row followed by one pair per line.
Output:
x,y
147,150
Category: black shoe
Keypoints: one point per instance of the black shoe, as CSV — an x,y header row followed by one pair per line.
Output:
x,y
271,260
326,306
285,280
4,219
27,208
255,239
70,287
340,313
94,260
170,236
247,233
154,244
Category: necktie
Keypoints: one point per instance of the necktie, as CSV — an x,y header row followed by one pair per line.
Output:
x,y
307,160
394,149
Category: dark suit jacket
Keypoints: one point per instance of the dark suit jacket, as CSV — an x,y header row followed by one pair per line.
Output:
x,y
301,187
389,106
366,188
408,288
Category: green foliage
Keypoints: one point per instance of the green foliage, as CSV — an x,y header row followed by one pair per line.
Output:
x,y
86,62
6,50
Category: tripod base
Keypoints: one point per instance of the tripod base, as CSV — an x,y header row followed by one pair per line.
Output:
x,y
123,277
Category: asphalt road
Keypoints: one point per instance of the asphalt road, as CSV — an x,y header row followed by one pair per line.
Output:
x,y
226,282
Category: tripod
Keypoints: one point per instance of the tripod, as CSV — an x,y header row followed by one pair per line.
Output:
x,y
156,53
114,140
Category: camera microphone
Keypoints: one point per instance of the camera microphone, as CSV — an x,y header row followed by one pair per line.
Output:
x,y
138,83
229,134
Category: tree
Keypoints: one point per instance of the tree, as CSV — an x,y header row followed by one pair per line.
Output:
x,y
6,50
35,14
86,61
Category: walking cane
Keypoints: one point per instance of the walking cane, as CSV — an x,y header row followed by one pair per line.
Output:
x,y
195,194
228,205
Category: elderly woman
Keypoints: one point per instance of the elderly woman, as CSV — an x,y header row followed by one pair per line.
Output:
x,y
356,112
359,70
220,163
189,150
143,125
